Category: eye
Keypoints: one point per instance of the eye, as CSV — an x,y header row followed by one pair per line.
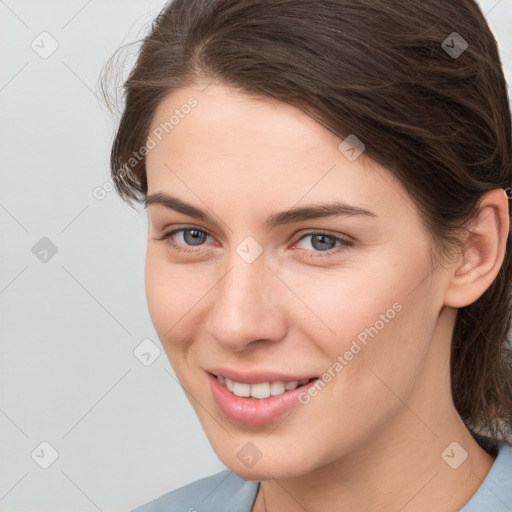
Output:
x,y
193,236
324,244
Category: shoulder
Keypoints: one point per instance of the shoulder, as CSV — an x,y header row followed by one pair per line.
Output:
x,y
222,491
495,493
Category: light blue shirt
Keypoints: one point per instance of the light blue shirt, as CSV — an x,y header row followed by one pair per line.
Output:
x,y
226,492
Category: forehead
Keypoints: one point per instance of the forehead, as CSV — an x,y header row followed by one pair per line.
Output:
x,y
220,111
257,149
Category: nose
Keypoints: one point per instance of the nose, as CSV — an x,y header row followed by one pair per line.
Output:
x,y
248,305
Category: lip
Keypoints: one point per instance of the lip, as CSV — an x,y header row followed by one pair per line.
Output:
x,y
256,377
254,411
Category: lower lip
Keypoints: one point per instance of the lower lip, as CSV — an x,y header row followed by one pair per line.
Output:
x,y
254,411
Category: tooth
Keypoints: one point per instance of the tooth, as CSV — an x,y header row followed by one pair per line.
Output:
x,y
261,390
241,389
291,385
277,387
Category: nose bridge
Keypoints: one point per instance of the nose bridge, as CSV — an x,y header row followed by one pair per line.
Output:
x,y
244,302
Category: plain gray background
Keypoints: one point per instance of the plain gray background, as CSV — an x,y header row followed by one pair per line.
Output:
x,y
72,283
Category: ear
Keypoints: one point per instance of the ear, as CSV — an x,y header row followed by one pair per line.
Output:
x,y
483,252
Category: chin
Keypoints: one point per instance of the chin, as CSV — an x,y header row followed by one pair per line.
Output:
x,y
245,460
266,471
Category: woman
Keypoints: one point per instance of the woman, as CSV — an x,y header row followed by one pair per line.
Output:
x,y
329,254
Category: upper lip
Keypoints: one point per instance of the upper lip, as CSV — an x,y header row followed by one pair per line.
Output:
x,y
255,377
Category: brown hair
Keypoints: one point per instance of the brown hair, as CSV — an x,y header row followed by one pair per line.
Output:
x,y
383,71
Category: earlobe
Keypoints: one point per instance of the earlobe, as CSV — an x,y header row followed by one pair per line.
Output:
x,y
483,252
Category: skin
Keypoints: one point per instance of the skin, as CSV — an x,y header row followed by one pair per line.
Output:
x,y
373,438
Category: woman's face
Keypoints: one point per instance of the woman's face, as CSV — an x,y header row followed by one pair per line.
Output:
x,y
247,292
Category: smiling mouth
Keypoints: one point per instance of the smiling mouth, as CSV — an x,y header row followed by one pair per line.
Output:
x,y
261,390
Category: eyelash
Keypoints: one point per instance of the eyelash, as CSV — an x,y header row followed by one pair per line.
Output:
x,y
344,244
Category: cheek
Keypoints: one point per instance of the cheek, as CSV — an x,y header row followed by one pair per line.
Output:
x,y
354,301
380,318
176,295
165,294
389,355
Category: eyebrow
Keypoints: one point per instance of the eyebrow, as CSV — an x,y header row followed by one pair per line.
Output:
x,y
314,211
